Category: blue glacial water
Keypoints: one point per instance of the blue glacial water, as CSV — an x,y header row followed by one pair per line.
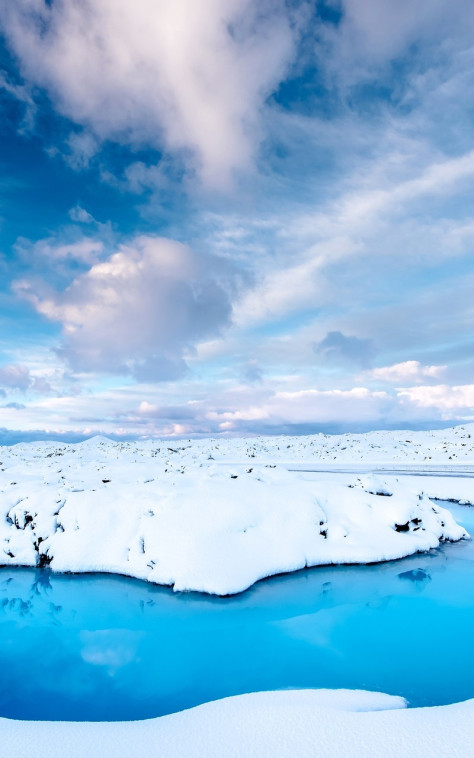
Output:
x,y
100,647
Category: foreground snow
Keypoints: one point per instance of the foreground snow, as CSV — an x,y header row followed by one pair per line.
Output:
x,y
216,516
303,723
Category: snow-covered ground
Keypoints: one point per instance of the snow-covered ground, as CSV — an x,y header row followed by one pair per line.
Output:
x,y
303,723
218,515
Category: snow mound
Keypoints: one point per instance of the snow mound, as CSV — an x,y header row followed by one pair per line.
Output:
x,y
303,723
172,514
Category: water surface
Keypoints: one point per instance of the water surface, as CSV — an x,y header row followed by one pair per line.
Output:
x,y
101,647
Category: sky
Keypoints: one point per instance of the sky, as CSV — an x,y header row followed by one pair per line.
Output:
x,y
235,216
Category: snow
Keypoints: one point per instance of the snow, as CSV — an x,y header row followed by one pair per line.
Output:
x,y
218,515
303,723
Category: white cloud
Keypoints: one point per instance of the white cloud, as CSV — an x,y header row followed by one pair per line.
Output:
x,y
84,250
374,33
344,227
190,409
52,252
408,371
443,397
80,215
388,221
310,406
184,75
20,377
81,147
139,310
15,377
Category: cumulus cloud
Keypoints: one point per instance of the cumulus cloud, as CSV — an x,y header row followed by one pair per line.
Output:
x,y
189,77
443,397
407,372
138,311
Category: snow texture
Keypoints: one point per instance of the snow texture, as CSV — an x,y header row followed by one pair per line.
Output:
x,y
303,723
218,515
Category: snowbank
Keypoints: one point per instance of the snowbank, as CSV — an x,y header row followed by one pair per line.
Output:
x,y
303,723
183,516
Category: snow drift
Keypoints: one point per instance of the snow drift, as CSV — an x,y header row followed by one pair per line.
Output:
x,y
303,723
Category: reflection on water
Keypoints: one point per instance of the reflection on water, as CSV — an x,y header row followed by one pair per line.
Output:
x,y
106,647
418,576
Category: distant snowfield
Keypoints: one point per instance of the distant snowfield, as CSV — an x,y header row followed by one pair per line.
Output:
x,y
289,724
218,515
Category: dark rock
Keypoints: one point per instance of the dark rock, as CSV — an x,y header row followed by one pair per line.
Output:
x,y
402,527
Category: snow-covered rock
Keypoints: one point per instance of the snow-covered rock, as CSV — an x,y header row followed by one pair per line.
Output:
x,y
215,515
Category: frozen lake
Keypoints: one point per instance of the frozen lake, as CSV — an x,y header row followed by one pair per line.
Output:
x,y
101,647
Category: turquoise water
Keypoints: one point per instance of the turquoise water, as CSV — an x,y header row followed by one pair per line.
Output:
x,y
102,647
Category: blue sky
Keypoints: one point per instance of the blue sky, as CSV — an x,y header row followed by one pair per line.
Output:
x,y
235,216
